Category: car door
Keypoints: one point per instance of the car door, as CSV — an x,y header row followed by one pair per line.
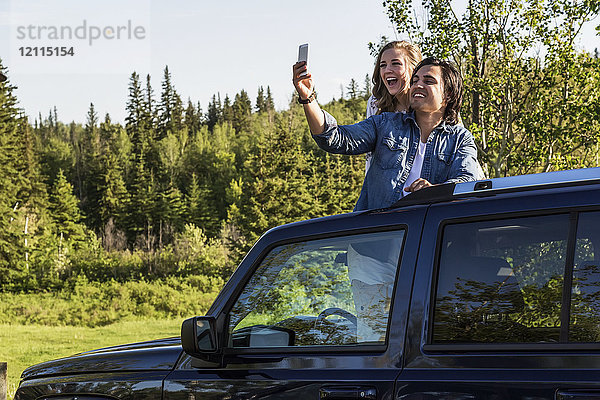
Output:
x,y
319,317
506,300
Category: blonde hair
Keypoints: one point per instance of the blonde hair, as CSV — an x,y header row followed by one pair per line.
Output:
x,y
412,56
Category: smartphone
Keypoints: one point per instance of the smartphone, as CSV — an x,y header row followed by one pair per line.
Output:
x,y
303,55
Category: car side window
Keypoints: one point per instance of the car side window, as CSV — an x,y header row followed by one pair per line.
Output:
x,y
326,292
585,290
501,281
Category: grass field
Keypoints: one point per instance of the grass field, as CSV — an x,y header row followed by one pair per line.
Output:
x,y
25,345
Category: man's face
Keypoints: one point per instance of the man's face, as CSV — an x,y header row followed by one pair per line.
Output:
x,y
427,90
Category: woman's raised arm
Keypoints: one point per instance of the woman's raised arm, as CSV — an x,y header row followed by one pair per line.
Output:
x,y
306,92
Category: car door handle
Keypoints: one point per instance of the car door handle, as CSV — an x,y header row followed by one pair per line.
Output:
x,y
348,392
576,395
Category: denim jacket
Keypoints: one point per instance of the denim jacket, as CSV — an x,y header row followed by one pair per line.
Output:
x,y
450,155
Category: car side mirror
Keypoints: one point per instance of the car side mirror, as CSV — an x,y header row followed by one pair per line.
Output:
x,y
199,336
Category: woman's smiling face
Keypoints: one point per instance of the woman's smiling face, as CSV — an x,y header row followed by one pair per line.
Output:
x,y
393,70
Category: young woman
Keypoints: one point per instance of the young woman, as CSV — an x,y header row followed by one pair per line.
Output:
x,y
395,64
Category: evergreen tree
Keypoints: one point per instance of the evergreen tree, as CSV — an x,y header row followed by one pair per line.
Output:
x,y
192,118
171,107
141,214
112,190
12,262
368,89
227,113
270,104
55,113
149,115
64,209
200,210
261,101
135,115
91,169
166,104
214,113
242,108
114,200
170,214
353,89
75,140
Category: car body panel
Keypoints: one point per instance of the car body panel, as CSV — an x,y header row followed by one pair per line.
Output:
x,y
524,372
285,374
154,355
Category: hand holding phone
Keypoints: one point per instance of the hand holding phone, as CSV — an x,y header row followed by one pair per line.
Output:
x,y
303,56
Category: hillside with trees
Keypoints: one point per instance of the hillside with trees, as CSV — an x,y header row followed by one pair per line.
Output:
x,y
103,221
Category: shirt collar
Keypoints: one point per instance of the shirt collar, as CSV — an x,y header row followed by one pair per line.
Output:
x,y
442,127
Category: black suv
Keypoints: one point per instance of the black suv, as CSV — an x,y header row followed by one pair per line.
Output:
x,y
480,290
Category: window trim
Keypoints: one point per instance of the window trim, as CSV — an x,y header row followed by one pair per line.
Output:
x,y
478,347
429,346
565,304
341,349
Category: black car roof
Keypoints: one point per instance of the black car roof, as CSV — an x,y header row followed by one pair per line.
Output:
x,y
511,184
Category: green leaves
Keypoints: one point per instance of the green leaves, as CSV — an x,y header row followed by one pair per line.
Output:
x,y
529,91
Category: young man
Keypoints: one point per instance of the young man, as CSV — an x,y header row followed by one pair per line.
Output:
x,y
411,150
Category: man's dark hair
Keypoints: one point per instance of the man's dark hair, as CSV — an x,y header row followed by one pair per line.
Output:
x,y
453,86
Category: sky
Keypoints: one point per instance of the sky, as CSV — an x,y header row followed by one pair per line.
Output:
x,y
209,47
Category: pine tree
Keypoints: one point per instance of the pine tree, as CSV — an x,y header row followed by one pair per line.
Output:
x,y
178,113
12,250
171,107
112,191
227,113
141,214
200,210
214,112
114,199
166,104
135,115
192,118
368,89
261,102
242,108
353,90
170,213
149,115
91,169
270,104
64,209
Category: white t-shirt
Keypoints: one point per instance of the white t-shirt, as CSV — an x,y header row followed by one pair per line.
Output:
x,y
372,106
415,171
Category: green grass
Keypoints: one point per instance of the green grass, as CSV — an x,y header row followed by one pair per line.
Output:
x,y
25,345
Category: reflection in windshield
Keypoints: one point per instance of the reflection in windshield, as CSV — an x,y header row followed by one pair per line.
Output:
x,y
305,288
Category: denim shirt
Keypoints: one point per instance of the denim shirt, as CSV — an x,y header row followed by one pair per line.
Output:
x,y
450,154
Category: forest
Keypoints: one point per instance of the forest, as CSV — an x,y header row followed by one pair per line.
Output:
x,y
103,221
